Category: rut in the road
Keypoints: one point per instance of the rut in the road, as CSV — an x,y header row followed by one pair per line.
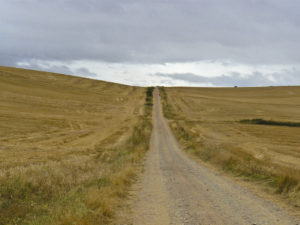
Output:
x,y
177,190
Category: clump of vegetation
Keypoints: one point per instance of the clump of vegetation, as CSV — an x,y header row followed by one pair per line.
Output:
x,y
286,184
149,101
167,108
270,122
182,133
149,95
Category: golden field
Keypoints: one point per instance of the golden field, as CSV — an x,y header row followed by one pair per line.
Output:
x,y
69,147
207,123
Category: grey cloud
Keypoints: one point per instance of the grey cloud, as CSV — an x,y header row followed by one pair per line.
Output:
x,y
64,69
132,31
84,72
236,79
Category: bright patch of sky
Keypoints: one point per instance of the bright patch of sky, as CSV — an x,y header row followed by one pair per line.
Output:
x,y
203,73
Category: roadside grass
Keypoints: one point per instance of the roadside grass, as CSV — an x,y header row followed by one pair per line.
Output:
x,y
167,108
280,180
59,168
149,95
270,122
149,100
82,190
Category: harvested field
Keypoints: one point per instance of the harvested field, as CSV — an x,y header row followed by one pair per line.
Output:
x,y
216,125
69,147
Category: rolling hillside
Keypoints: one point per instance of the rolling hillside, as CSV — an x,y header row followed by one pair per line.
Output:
x,y
251,132
69,146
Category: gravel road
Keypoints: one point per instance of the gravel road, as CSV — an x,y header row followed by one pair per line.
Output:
x,y
177,190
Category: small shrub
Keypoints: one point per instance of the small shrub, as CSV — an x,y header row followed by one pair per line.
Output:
x,y
167,108
285,184
149,100
270,122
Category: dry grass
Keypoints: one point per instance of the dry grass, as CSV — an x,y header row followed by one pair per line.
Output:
x,y
70,147
207,124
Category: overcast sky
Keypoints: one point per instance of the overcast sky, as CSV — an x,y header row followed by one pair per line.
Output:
x,y
156,42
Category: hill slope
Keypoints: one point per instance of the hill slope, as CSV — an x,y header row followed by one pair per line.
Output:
x,y
253,132
177,190
61,139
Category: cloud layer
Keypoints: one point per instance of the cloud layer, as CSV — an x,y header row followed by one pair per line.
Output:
x,y
141,32
203,73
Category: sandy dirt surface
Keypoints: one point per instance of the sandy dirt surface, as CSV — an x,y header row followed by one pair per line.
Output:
x,y
177,190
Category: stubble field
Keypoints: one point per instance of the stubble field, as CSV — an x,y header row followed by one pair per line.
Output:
x,y
251,132
69,147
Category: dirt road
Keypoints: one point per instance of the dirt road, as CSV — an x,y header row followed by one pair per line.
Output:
x,y
177,190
